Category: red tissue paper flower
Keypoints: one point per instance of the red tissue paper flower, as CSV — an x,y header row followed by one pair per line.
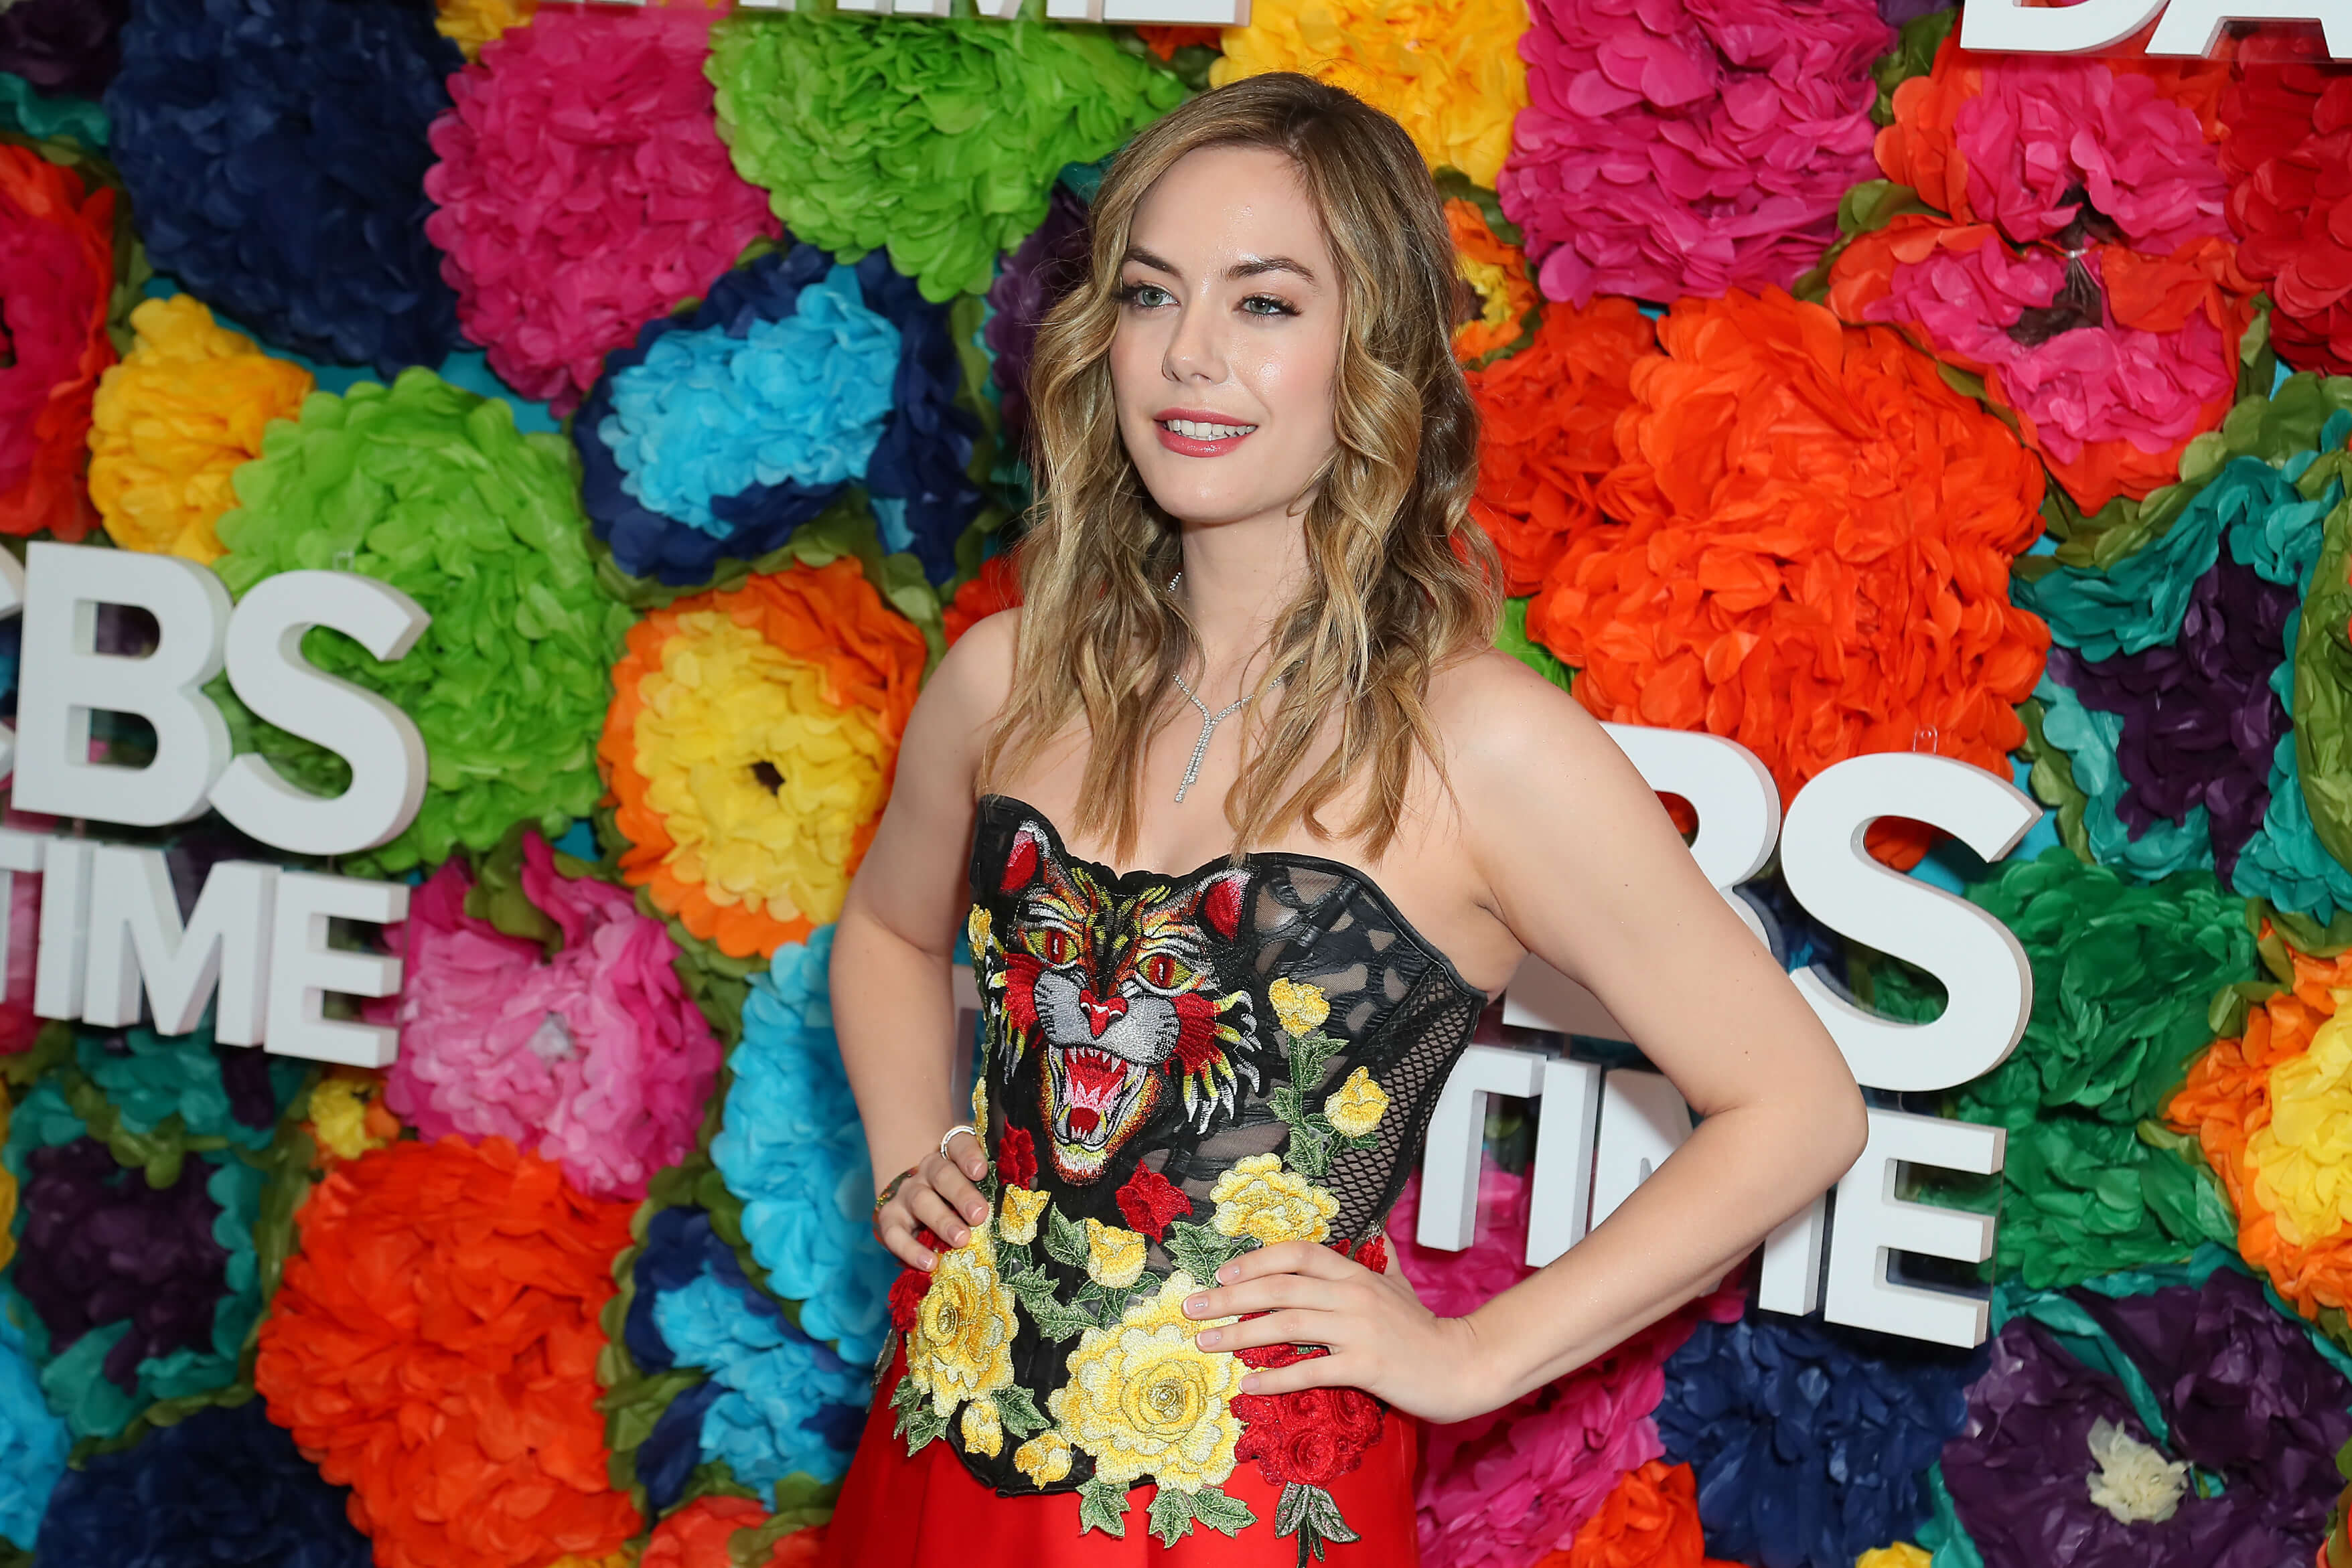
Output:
x,y
1809,551
2289,160
996,586
57,276
433,1347
1548,430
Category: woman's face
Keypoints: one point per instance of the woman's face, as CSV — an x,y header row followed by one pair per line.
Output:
x,y
1228,338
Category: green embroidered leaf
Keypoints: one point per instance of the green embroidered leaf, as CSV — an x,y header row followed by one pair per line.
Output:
x,y
1309,1151
1308,1057
1102,1505
1286,1103
924,1426
990,1186
1221,1513
1055,1318
1066,1238
1199,1251
1172,1515
1091,1296
1323,1518
1017,1408
1012,1258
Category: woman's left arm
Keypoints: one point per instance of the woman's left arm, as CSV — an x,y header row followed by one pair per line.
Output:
x,y
1581,862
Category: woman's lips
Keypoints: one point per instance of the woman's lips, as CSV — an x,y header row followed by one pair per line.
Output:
x,y
1192,447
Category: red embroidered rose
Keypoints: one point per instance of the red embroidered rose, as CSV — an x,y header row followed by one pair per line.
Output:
x,y
907,1298
1311,1436
1017,1157
1151,1201
1374,1255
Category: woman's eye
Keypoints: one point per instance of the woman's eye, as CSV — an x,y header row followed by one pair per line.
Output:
x,y
1267,305
1147,295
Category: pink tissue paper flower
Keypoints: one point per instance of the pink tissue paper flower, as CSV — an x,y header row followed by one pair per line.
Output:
x,y
583,190
1687,146
1506,1487
595,1059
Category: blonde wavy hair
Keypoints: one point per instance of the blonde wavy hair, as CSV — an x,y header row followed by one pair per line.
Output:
x,y
1400,580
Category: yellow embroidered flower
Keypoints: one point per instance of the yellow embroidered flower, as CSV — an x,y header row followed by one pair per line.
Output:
x,y
978,927
171,423
962,1347
1113,1257
1043,1459
1258,1199
980,1101
1449,71
1356,1106
1017,1212
1144,1400
1301,1007
473,23
2302,1159
983,1429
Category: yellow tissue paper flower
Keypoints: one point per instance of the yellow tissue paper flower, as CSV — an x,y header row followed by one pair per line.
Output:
x,y
1017,1213
1300,1004
339,1116
1356,1107
2302,1159
1043,1459
473,23
961,1346
983,1429
1114,1255
181,412
1256,1197
725,701
1144,1400
1449,71
1902,1554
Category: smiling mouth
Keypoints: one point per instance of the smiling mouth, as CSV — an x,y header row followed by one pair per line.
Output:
x,y
1200,430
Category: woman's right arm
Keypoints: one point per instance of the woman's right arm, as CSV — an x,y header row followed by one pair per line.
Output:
x,y
893,1006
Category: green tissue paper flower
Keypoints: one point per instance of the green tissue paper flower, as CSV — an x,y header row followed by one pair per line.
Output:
x,y
938,138
432,489
2123,975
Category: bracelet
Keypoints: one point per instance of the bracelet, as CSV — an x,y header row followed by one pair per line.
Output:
x,y
952,1131
888,1192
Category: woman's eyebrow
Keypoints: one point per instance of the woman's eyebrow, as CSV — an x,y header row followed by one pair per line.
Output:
x,y
1249,266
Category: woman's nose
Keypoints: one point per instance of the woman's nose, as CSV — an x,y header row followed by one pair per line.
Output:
x,y
1196,344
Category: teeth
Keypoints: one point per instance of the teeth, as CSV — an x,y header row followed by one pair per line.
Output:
x,y
1200,431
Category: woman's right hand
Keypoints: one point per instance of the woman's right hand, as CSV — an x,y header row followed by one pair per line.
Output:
x,y
934,1199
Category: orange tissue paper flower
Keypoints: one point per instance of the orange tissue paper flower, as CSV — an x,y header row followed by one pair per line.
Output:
x,y
701,1534
1650,1520
750,745
433,1347
1548,430
1497,272
2270,1110
1806,547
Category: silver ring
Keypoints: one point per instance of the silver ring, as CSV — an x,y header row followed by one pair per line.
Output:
x,y
952,1131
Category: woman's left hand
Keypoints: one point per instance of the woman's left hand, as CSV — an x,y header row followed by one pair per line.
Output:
x,y
1381,1338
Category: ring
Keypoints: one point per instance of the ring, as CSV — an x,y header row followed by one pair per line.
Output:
x,y
952,1131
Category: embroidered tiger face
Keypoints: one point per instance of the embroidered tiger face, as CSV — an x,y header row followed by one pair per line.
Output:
x,y
1120,995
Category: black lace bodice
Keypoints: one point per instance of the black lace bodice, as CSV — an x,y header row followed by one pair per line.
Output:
x,y
1176,1068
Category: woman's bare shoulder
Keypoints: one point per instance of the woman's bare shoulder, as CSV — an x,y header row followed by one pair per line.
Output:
x,y
1496,717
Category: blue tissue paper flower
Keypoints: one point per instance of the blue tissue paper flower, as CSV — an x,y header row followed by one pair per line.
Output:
x,y
792,1149
1809,1441
723,429
275,152
224,1485
33,1442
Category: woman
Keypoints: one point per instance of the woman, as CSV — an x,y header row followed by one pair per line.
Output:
x,y
1256,641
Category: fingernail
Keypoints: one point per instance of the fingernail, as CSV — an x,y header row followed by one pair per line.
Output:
x,y
960,1237
929,1261
1249,1385
1225,1275
1211,1338
1196,1306
977,1212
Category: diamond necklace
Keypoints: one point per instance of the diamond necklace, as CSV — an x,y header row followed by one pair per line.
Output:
x,y
1209,721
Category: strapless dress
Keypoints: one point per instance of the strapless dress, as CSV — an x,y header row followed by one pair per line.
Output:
x,y
1175,1069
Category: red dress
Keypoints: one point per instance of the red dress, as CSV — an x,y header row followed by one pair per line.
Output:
x,y
1176,1069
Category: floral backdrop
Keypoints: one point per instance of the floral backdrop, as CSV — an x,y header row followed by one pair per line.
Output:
x,y
1843,391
